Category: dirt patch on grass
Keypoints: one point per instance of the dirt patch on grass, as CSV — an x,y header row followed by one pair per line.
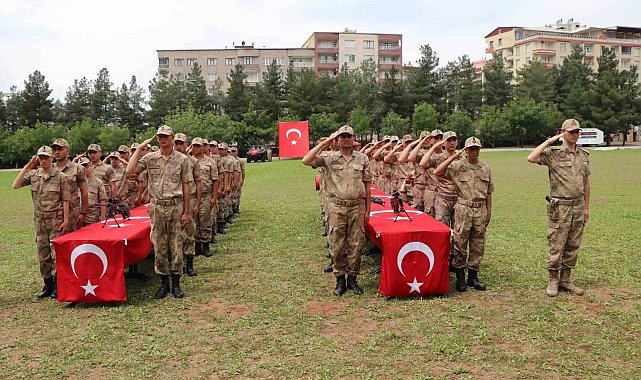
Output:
x,y
318,307
220,308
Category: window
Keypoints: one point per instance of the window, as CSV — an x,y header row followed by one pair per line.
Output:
x,y
561,59
252,76
350,57
279,61
637,51
368,44
562,46
517,63
588,48
191,61
350,43
625,63
249,60
491,44
548,46
500,42
327,45
212,61
163,62
229,62
212,76
517,50
179,62
626,50
368,57
527,48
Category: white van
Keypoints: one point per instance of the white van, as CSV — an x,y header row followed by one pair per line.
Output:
x,y
590,136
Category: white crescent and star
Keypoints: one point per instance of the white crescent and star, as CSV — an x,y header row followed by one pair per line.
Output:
x,y
414,246
294,130
94,249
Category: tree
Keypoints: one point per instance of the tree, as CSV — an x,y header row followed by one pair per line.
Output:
x,y
394,124
462,91
425,118
78,100
196,90
367,96
361,120
270,93
461,123
82,134
497,89
102,97
136,117
493,128
161,98
217,95
238,97
536,82
345,90
35,104
112,137
423,81
572,81
529,121
13,103
393,94
302,92
322,124
3,110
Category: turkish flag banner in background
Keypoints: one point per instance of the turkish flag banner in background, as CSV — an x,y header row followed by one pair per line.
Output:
x,y
92,271
415,253
293,138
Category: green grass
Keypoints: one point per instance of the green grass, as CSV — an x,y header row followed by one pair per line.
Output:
x,y
261,308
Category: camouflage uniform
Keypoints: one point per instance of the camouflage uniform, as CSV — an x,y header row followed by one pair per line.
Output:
x,y
143,179
120,175
97,197
48,192
76,177
209,175
567,171
446,195
106,174
166,207
190,229
345,186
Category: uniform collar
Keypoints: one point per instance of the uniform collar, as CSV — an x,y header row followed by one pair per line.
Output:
x,y
52,172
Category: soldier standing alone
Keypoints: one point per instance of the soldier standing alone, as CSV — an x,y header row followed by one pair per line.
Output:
x,y
569,203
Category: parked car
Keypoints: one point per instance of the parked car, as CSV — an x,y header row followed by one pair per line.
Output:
x,y
257,153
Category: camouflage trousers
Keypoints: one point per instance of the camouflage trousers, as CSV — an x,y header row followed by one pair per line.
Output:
x,y
167,236
93,215
429,200
418,196
47,230
74,212
444,208
131,199
346,235
323,204
469,229
565,231
189,243
223,207
204,222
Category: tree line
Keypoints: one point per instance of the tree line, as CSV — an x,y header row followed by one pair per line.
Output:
x,y
501,111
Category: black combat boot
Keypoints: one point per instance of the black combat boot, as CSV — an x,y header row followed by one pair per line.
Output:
x,y
198,248
220,228
205,249
229,219
54,289
473,280
353,285
341,287
175,286
329,268
190,266
164,287
47,289
213,236
460,279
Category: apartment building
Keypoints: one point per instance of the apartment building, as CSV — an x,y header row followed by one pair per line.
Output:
x,y
322,52
551,44
218,63
332,50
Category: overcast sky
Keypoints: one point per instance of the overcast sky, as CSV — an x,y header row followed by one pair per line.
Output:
x,y
68,39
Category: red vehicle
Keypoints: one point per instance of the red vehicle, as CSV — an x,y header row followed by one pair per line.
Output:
x,y
255,154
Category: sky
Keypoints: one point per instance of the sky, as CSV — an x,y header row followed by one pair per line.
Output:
x,y
69,39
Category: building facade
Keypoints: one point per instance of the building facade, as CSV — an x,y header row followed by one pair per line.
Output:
x,y
323,52
551,44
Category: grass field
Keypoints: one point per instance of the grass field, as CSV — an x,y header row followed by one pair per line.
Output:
x,y
261,308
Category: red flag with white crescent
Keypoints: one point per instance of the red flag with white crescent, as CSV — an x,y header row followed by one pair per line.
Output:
x,y
293,138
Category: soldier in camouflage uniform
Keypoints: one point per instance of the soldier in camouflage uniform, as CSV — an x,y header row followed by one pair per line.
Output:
x,y
120,174
50,195
209,182
429,162
169,179
224,193
348,194
412,154
237,174
195,191
131,187
386,169
569,203
472,213
97,195
78,204
446,194
222,180
104,172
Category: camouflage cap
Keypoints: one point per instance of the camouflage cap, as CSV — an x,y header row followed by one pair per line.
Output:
x,y
570,125
222,145
165,130
124,148
407,138
437,132
234,144
204,141
386,138
114,154
180,137
424,134
213,143
449,134
134,146
394,138
94,147
197,141
234,149
346,129
472,141
84,161
45,151
60,142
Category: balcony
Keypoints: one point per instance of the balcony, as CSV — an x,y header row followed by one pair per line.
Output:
x,y
573,36
251,67
329,65
549,65
489,50
544,52
388,47
163,66
302,65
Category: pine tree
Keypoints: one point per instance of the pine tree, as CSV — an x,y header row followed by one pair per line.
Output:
x,y
35,103
196,90
394,96
161,101
497,89
236,103
573,80
270,92
78,100
536,82
102,97
423,82
302,93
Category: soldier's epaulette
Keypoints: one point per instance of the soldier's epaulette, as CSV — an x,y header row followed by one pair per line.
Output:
x,y
556,147
584,151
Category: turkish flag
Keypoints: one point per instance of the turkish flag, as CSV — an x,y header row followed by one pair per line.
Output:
x,y
415,252
293,138
90,271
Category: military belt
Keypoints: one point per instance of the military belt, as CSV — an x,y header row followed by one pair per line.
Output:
x,y
420,186
431,188
567,202
347,202
167,202
472,204
448,197
48,214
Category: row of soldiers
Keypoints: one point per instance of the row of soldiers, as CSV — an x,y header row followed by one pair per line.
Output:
x,y
68,194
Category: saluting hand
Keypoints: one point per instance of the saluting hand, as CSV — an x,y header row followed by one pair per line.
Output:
x,y
144,143
33,161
